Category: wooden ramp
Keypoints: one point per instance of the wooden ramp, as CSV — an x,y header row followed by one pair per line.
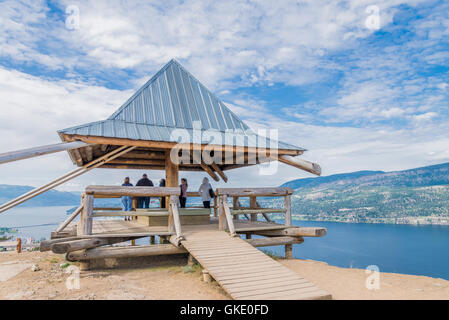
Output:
x,y
245,272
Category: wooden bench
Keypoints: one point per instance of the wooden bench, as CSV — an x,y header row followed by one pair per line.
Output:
x,y
159,217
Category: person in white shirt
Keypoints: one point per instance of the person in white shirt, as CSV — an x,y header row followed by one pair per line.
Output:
x,y
205,191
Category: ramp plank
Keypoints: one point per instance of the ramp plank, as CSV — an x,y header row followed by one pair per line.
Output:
x,y
243,271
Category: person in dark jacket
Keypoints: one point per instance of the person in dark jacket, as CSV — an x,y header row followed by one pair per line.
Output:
x,y
162,184
144,202
183,196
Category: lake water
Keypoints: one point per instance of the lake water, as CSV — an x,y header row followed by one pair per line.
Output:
x,y
408,249
35,222
419,250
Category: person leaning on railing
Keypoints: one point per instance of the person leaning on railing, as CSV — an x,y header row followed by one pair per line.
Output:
x,y
144,202
127,201
206,192
183,195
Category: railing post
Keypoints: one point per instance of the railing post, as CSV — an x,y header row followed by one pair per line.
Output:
x,y
222,224
215,206
235,201
171,220
288,212
252,205
86,216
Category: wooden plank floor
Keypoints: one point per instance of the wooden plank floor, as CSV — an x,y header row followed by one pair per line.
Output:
x,y
245,272
120,228
105,227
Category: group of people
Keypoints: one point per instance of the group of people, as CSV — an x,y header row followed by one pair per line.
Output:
x,y
205,190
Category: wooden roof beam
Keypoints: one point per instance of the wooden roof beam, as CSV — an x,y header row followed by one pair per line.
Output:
x,y
301,164
169,145
209,171
39,151
219,171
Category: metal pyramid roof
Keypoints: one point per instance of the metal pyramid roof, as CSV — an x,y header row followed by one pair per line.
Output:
x,y
171,99
175,98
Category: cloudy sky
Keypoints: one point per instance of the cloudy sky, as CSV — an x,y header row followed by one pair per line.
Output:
x,y
363,85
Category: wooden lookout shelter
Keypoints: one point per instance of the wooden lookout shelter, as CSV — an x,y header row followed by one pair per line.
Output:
x,y
174,123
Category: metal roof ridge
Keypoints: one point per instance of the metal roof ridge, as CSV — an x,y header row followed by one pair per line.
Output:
x,y
143,87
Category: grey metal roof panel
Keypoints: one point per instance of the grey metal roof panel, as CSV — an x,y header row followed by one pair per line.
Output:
x,y
173,97
136,131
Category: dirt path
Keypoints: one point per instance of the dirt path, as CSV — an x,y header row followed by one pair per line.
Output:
x,y
172,282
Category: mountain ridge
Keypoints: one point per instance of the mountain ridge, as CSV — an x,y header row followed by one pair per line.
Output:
x,y
49,198
437,174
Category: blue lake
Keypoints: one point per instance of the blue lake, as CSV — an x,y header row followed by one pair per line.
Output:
x,y
419,250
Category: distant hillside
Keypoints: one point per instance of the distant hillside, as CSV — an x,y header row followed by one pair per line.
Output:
x,y
418,195
49,198
418,177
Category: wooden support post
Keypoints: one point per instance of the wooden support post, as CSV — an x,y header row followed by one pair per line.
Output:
x,y
288,251
222,223
288,212
215,206
253,204
171,176
86,217
235,205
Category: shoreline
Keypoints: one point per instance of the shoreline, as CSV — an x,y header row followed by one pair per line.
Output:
x,y
420,221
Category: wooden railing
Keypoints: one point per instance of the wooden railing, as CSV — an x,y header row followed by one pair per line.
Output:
x,y
91,192
214,205
227,214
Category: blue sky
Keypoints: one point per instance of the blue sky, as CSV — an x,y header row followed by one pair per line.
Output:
x,y
357,97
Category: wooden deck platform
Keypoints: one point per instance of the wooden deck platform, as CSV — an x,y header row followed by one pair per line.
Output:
x,y
120,227
243,271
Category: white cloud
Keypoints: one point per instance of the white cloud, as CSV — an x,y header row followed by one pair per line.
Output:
x,y
230,45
